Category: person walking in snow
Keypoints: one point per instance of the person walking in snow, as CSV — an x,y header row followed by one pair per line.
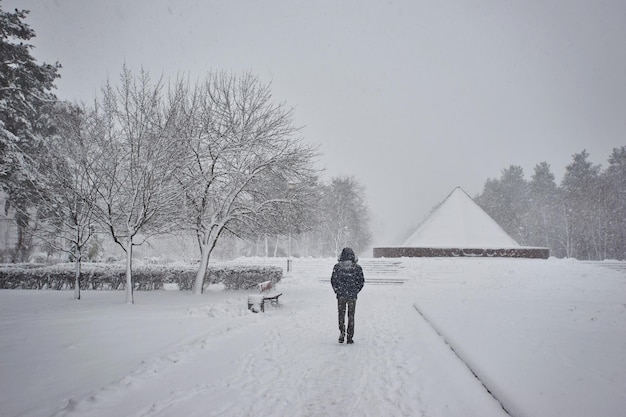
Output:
x,y
347,281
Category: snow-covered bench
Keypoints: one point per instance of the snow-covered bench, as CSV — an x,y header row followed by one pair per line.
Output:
x,y
257,302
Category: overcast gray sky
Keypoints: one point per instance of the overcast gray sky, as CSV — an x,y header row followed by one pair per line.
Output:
x,y
413,98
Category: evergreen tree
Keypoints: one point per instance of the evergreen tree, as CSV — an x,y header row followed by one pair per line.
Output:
x,y
25,90
583,208
544,220
506,201
516,204
615,179
583,218
490,199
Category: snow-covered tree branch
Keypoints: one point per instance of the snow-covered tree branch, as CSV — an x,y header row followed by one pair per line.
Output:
x,y
25,89
62,189
137,163
242,151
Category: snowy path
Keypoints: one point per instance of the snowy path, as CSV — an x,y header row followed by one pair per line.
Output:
x,y
288,362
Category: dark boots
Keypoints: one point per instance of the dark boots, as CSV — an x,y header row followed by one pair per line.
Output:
x,y
342,336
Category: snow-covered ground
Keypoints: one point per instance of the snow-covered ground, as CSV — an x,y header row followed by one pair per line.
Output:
x,y
541,337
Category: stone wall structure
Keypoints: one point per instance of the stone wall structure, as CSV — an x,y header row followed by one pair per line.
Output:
x,y
522,252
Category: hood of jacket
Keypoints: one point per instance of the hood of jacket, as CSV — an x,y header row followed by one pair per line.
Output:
x,y
347,254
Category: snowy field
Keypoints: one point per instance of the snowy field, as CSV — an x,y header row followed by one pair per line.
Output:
x,y
460,337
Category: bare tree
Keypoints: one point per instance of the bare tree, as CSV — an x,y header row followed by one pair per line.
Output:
x,y
244,160
138,160
62,188
345,216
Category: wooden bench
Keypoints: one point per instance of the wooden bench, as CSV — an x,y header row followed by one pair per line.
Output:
x,y
260,299
272,298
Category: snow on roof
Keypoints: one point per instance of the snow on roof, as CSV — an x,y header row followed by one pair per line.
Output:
x,y
459,222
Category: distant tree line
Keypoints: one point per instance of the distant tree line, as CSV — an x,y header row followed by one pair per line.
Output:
x,y
217,158
338,217
582,217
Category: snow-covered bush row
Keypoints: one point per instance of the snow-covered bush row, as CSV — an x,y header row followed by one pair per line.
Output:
x,y
242,277
148,277
233,276
24,265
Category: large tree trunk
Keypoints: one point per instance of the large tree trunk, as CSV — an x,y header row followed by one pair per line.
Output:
x,y
207,244
129,279
205,252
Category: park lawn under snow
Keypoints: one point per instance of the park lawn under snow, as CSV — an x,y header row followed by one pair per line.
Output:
x,y
545,337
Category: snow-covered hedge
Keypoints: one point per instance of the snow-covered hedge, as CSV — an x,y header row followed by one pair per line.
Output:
x,y
147,277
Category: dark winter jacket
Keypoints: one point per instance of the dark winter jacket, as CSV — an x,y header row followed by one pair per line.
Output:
x,y
347,279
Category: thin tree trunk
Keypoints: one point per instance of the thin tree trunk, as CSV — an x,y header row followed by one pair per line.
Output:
x,y
129,279
77,275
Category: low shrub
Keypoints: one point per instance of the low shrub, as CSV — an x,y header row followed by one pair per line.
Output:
x,y
148,277
244,277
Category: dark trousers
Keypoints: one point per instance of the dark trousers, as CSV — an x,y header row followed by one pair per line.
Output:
x,y
342,304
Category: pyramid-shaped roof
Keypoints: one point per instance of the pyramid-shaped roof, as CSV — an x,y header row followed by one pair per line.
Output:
x,y
458,222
